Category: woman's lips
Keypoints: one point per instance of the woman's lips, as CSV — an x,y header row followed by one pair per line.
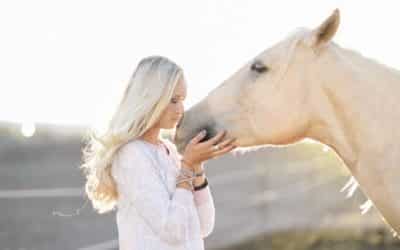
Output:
x,y
177,118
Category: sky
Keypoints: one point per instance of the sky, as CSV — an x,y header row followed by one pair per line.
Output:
x,y
68,62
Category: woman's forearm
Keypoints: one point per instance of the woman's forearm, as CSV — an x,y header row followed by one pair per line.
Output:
x,y
199,179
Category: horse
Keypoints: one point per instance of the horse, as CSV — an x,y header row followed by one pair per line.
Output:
x,y
308,87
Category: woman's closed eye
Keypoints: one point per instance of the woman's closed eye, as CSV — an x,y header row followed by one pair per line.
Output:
x,y
176,100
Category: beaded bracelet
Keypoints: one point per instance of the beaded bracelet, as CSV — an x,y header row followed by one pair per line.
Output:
x,y
184,180
187,172
205,184
189,181
185,177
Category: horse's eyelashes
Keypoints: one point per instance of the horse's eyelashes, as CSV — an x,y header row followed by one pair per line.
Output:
x,y
259,67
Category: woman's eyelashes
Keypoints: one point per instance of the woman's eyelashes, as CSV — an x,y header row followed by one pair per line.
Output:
x,y
176,100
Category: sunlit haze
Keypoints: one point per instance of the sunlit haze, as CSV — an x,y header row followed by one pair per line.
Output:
x,y
67,62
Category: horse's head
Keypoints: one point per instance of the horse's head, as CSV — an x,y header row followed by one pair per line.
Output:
x,y
267,100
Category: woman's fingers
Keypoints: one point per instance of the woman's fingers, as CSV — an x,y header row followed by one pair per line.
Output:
x,y
224,147
215,139
198,137
223,144
223,150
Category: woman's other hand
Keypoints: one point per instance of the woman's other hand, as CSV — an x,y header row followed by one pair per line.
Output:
x,y
196,152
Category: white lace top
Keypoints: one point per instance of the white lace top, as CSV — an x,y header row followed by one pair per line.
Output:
x,y
152,214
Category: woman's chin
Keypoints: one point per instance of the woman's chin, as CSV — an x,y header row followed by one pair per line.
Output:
x,y
170,126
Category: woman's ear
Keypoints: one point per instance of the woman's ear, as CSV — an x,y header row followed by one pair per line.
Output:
x,y
325,31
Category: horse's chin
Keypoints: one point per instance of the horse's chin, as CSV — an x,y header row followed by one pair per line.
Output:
x,y
246,142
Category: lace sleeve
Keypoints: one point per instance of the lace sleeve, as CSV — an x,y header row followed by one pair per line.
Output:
x,y
206,210
138,182
203,200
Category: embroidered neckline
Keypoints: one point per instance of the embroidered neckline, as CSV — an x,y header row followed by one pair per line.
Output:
x,y
159,145
157,164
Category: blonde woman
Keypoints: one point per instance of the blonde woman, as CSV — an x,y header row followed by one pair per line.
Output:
x,y
162,198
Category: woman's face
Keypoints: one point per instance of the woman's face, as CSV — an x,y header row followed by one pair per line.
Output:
x,y
174,111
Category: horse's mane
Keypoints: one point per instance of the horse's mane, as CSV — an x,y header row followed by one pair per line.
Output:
x,y
363,61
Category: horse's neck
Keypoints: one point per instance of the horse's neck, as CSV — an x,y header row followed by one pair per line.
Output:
x,y
360,104
356,113
366,70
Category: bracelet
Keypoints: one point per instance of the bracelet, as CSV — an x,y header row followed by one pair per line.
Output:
x,y
205,184
186,172
184,178
189,181
185,175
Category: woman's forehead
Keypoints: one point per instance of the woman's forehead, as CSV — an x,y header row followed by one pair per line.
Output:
x,y
180,88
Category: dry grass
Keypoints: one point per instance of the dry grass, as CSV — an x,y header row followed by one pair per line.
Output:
x,y
340,239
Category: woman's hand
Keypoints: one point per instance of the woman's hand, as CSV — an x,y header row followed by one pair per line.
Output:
x,y
196,152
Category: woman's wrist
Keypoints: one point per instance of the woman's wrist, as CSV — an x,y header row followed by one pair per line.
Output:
x,y
187,163
198,169
200,177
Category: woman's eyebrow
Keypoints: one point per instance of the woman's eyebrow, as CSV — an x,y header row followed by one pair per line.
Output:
x,y
178,96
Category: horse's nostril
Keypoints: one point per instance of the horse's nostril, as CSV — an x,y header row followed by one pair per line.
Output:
x,y
210,133
205,138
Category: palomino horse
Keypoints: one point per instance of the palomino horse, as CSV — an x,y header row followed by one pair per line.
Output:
x,y
306,86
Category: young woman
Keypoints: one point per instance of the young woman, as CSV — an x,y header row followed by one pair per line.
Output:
x,y
162,198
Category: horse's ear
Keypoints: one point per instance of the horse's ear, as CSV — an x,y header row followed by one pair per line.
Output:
x,y
324,32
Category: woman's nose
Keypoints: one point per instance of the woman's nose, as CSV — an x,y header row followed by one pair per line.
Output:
x,y
180,109
180,121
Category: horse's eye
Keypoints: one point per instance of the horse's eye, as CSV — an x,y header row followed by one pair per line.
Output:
x,y
259,67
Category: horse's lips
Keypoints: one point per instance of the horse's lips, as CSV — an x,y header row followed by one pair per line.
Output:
x,y
225,137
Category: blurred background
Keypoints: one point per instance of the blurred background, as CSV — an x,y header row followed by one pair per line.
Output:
x,y
64,66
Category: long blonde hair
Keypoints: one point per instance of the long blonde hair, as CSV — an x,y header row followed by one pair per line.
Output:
x,y
147,95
